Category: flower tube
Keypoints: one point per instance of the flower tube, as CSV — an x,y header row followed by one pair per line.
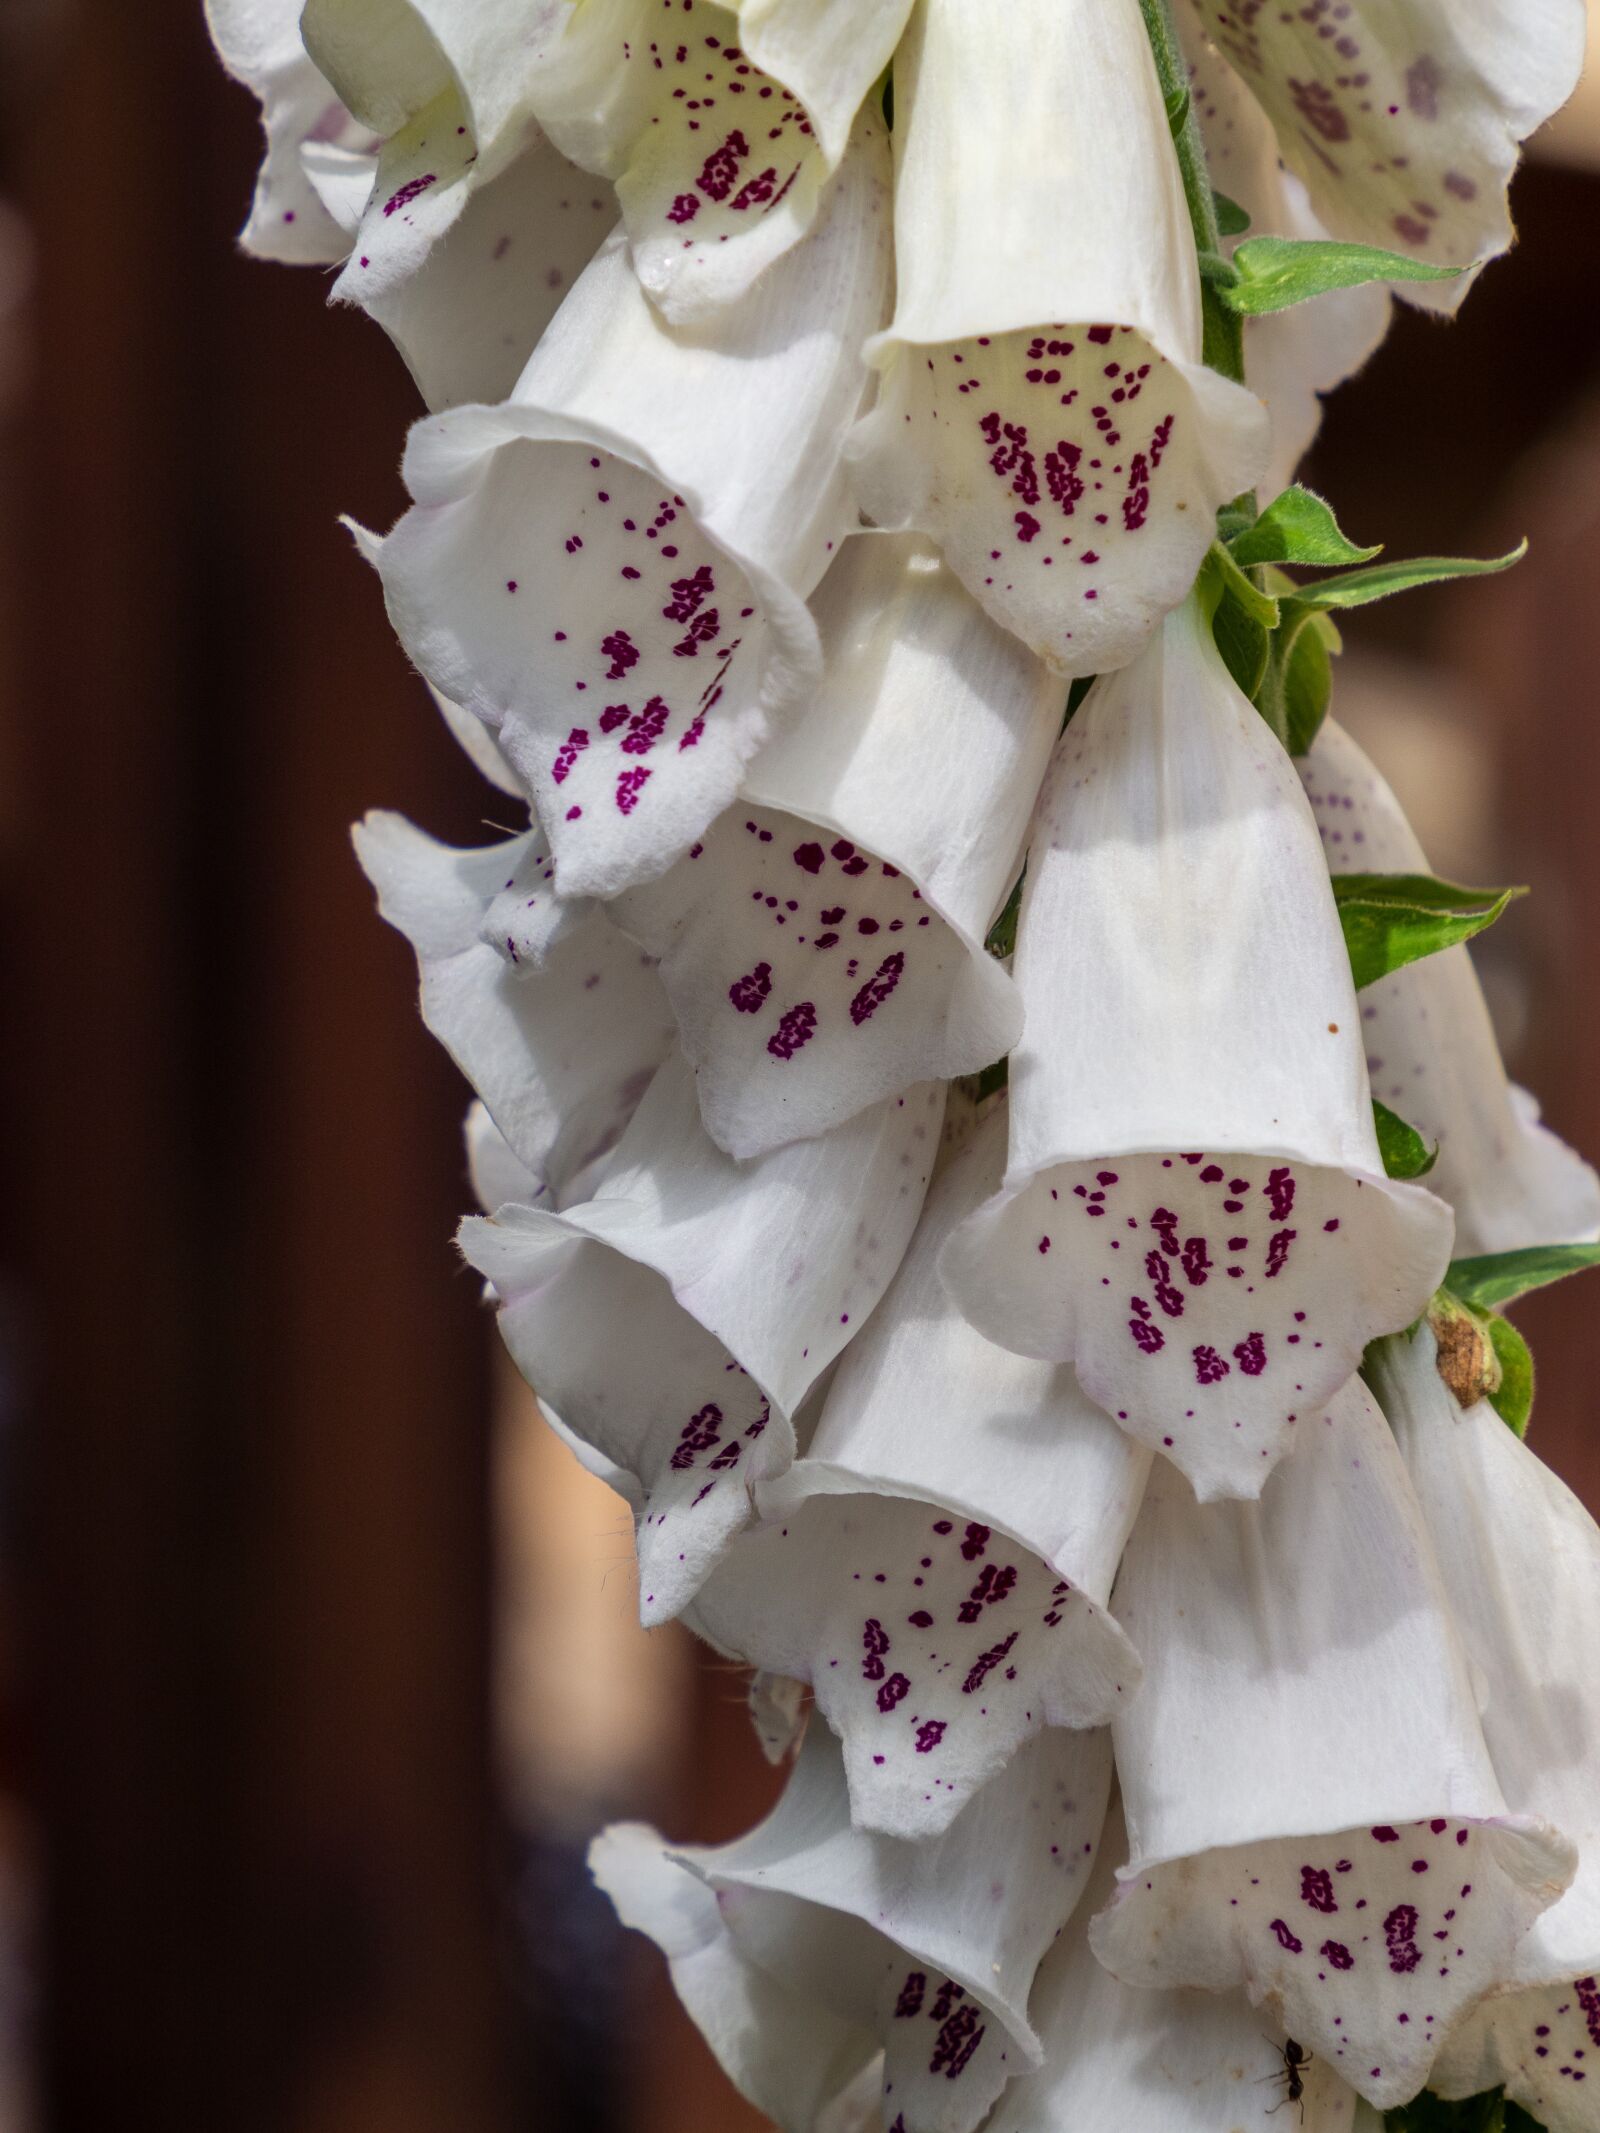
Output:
x,y
677,1319
615,584
1195,1210
1431,1047
1044,413
722,127
1404,118
1521,1560
928,1950
1312,1811
938,1565
555,1017
823,944
1120,2057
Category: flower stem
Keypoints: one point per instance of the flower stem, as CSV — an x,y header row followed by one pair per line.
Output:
x,y
1223,344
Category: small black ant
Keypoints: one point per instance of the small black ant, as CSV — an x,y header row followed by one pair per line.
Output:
x,y
1295,2059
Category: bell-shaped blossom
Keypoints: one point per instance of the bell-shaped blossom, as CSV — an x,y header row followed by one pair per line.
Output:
x,y
259,43
812,1944
1404,117
465,304
557,1019
1312,1810
1122,2057
1521,1561
823,943
721,127
1291,357
938,1565
1195,1210
1044,413
1431,1048
615,581
678,1318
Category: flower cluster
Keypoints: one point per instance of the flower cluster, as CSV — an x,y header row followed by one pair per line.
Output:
x,y
1019,1333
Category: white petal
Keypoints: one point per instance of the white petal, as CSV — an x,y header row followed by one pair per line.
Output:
x,y
1431,1048
1195,1210
1292,357
1404,117
615,584
823,947
1044,413
259,43
1521,1558
497,1176
475,738
1121,2057
947,1934
938,1566
721,131
737,1285
464,278
790,2056
392,59
1311,1806
558,1024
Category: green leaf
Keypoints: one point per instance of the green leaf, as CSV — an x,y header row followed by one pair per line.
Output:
x,y
1177,104
1405,1153
1232,220
1513,1403
1258,605
1297,527
1390,920
1356,588
1002,939
1245,646
1499,1278
1275,272
1307,684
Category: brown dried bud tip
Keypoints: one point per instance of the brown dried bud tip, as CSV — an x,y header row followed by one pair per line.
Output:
x,y
1466,1361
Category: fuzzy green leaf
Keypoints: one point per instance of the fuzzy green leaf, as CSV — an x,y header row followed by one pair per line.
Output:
x,y
1259,605
1390,920
1307,684
1275,272
1357,588
1498,1278
1245,646
1405,1153
1297,527
1232,219
1513,1403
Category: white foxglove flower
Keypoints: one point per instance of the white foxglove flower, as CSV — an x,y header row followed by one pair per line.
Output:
x,y
497,1176
1291,357
926,1950
721,131
1044,413
677,1320
1521,1559
1404,117
938,1566
1195,1210
1312,1811
259,43
615,583
465,304
823,944
557,1019
1431,1048
447,87
1122,2057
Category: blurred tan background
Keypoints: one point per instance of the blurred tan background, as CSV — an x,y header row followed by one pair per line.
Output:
x,y
318,1662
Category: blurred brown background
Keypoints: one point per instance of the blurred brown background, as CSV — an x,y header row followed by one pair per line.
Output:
x,y
317,1659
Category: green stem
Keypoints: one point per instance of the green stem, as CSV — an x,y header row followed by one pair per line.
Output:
x,y
1223,345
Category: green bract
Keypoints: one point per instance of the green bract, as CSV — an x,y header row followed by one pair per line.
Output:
x,y
1297,527
1500,1278
1390,920
1271,273
1405,1153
